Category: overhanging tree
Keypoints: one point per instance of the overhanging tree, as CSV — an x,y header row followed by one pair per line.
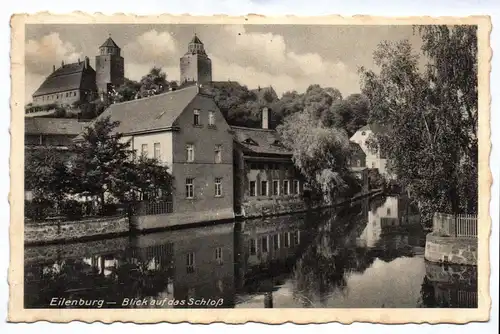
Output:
x,y
430,116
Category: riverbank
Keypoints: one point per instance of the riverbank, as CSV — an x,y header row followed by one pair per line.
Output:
x,y
54,232
453,240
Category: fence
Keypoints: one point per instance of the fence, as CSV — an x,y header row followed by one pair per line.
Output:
x,y
463,225
155,208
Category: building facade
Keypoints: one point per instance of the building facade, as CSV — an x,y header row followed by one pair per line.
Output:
x,y
375,158
66,85
186,131
195,65
76,83
265,176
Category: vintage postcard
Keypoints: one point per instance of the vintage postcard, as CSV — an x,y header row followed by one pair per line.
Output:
x,y
188,169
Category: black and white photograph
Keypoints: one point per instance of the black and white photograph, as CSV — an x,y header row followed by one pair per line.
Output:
x,y
263,166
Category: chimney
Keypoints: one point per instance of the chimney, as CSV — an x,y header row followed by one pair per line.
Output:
x,y
62,63
87,63
265,118
53,68
78,60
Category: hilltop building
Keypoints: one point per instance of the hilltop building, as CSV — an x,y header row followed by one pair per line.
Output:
x,y
67,84
110,68
195,65
76,83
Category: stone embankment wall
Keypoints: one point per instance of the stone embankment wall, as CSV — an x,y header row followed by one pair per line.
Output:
x,y
459,250
46,232
272,207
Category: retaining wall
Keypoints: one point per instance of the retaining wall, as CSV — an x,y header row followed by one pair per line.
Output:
x,y
459,250
46,232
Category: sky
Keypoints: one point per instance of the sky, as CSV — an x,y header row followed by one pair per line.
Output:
x,y
285,57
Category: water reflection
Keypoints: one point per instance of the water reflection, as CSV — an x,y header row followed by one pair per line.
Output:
x,y
368,254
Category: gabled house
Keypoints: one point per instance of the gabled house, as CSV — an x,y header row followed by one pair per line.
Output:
x,y
53,132
357,160
264,170
67,85
375,158
186,131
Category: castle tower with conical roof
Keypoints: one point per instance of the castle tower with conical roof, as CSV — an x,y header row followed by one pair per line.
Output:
x,y
109,67
195,65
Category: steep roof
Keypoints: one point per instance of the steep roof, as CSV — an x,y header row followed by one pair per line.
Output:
x,y
150,113
196,40
66,77
259,141
53,126
109,43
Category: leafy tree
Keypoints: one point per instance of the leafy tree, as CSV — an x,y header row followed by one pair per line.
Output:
x,y
151,178
431,116
349,114
153,83
127,91
320,153
101,161
105,164
238,104
46,174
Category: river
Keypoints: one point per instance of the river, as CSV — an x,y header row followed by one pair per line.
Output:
x,y
369,254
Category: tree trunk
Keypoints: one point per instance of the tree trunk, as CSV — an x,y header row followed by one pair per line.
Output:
x,y
101,195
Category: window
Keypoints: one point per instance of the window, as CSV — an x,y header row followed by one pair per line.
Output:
x,y
276,187
211,118
260,166
287,239
190,152
218,187
253,246
286,187
296,237
296,187
218,154
264,243
363,133
190,264
263,188
373,164
253,166
276,241
218,255
196,119
388,211
144,149
156,150
74,93
253,188
189,188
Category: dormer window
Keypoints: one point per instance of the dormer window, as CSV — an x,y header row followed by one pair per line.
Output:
x,y
363,133
277,142
250,141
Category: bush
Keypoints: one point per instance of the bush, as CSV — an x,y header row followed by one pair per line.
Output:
x,y
72,209
110,209
37,209
375,179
